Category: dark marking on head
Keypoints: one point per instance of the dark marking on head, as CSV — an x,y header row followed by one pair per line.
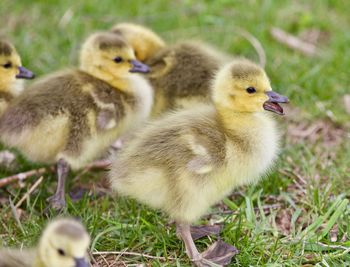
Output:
x,y
6,48
106,41
71,230
245,70
117,31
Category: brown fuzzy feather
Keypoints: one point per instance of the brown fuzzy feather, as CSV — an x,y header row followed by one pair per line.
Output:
x,y
182,72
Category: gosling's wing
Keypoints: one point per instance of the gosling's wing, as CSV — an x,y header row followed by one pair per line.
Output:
x,y
207,150
200,165
112,105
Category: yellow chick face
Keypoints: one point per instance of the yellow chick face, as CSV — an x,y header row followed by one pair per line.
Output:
x,y
11,68
108,56
248,89
144,41
64,243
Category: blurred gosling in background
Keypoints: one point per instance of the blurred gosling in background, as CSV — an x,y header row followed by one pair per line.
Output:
x,y
64,243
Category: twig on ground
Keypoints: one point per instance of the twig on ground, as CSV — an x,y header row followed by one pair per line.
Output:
x,y
293,42
92,258
332,246
296,175
15,215
105,261
99,253
98,164
31,189
23,175
265,207
256,44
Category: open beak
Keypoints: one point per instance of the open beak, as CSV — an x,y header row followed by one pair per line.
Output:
x,y
24,73
137,66
272,103
81,262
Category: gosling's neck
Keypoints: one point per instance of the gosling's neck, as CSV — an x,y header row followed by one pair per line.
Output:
x,y
119,83
236,120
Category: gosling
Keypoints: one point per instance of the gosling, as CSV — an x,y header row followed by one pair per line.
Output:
x,y
64,243
72,117
189,160
180,74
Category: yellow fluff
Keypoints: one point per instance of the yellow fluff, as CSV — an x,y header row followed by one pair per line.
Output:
x,y
191,159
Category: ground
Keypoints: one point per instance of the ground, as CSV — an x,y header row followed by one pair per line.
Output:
x,y
296,216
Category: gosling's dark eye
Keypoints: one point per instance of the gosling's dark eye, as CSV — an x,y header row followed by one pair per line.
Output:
x,y
118,59
251,90
7,65
61,252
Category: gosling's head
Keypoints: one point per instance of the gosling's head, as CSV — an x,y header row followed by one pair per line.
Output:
x,y
108,55
11,68
64,243
243,86
144,41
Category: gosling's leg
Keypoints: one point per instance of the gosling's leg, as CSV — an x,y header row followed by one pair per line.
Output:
x,y
184,232
57,201
200,231
218,254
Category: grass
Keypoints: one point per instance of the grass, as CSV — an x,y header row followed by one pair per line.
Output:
x,y
299,215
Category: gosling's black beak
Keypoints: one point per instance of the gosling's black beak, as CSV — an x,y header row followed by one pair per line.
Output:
x,y
24,73
81,262
137,66
272,103
277,98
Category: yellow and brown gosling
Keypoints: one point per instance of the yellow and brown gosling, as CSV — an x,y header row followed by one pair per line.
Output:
x,y
189,160
180,73
64,243
11,70
72,117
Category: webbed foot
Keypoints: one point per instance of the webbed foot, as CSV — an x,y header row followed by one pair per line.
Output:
x,y
56,202
218,254
200,231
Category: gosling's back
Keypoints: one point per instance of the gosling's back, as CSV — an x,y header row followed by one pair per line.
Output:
x,y
181,75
